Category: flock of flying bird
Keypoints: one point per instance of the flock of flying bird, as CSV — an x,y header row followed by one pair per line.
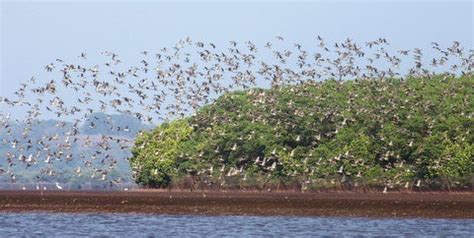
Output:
x,y
174,82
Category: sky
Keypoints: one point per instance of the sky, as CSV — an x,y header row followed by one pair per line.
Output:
x,y
34,34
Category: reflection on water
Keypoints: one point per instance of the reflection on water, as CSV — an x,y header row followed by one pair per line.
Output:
x,y
132,225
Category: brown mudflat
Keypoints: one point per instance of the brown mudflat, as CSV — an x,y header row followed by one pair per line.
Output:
x,y
428,205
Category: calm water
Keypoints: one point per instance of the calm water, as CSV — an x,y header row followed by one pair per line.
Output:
x,y
133,225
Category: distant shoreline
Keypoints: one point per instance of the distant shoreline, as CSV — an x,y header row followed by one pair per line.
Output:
x,y
350,204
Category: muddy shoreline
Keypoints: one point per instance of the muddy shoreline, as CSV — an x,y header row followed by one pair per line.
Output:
x,y
351,204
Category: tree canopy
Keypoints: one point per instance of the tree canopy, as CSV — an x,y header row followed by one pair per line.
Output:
x,y
396,133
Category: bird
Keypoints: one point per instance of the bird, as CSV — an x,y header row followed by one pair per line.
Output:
x,y
59,187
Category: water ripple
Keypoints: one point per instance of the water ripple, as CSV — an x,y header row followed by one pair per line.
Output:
x,y
139,225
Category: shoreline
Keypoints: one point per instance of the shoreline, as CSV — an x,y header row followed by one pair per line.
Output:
x,y
246,203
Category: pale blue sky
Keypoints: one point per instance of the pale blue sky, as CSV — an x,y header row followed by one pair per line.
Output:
x,y
34,34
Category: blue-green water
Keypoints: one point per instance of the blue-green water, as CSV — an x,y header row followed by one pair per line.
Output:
x,y
139,225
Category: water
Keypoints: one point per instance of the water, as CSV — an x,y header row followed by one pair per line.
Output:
x,y
133,225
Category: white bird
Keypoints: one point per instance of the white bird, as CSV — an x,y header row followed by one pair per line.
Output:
x,y
59,186
341,169
274,165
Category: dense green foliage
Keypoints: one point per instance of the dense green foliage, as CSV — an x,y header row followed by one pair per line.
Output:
x,y
392,132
